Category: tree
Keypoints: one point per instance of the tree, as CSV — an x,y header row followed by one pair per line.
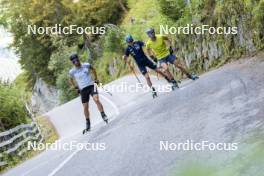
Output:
x,y
35,50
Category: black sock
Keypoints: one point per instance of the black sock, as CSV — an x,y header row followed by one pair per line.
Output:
x,y
103,114
167,79
88,124
189,75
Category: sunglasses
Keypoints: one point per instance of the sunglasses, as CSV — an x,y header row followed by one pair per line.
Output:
x,y
150,34
75,60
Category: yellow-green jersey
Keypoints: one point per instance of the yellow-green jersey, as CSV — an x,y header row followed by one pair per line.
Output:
x,y
158,46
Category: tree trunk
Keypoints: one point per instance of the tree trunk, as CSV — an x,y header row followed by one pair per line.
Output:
x,y
122,6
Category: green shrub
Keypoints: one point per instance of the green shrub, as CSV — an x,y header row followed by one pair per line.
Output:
x,y
113,41
109,66
67,93
12,108
258,20
172,8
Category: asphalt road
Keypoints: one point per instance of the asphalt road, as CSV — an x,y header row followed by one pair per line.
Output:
x,y
223,106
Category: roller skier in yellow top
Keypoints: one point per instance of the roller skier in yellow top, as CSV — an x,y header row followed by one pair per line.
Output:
x,y
160,47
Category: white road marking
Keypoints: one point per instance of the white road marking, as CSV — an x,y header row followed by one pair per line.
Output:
x,y
76,151
42,163
63,163
111,103
107,100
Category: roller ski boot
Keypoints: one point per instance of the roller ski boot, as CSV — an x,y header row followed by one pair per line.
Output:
x,y
88,126
154,93
192,76
174,85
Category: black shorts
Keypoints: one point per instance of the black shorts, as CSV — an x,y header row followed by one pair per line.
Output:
x,y
168,59
87,91
144,64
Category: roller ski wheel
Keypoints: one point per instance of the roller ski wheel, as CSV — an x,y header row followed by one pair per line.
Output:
x,y
193,77
105,120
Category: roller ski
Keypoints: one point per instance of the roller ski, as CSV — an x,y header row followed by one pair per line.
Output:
x,y
154,93
170,81
173,82
88,126
85,131
193,77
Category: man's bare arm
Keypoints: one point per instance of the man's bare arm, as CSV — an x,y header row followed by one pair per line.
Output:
x,y
93,72
168,41
72,82
151,55
149,52
126,59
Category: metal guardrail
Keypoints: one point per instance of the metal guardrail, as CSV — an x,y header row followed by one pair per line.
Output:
x,y
13,141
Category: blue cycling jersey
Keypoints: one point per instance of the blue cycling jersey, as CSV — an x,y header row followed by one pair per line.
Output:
x,y
136,51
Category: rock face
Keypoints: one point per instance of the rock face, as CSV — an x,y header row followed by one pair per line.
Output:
x,y
206,49
242,24
44,97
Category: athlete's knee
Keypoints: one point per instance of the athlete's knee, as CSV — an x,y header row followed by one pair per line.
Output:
x,y
85,107
177,63
146,75
158,70
97,102
96,99
164,66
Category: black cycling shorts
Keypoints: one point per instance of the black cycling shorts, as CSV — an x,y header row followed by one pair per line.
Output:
x,y
144,64
87,91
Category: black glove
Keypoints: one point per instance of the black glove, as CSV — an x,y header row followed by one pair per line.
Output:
x,y
171,50
154,59
96,82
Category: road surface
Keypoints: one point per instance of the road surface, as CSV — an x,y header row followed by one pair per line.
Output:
x,y
223,106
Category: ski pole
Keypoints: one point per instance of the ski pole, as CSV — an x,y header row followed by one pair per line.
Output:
x,y
156,62
107,91
132,69
100,85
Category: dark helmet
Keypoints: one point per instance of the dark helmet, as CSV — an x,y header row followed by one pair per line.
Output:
x,y
73,56
129,38
150,31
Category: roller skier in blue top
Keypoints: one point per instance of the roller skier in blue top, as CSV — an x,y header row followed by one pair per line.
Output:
x,y
135,49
